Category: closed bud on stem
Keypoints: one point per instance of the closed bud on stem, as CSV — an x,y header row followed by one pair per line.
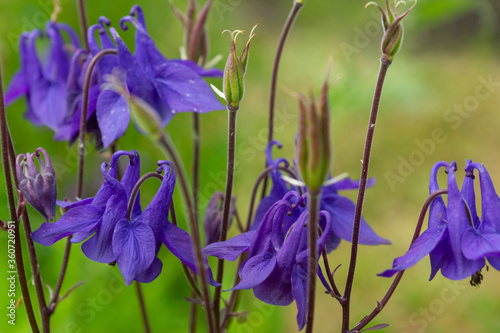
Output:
x,y
393,27
234,72
38,185
212,222
313,139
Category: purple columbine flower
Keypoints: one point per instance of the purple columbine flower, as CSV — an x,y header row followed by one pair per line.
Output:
x,y
38,187
132,243
96,217
276,266
212,221
44,85
443,240
341,208
483,239
167,86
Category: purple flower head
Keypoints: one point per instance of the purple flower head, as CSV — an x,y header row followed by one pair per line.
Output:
x,y
341,208
39,187
44,85
483,240
96,217
443,240
166,86
69,130
276,266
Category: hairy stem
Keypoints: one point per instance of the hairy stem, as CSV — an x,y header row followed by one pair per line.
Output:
x,y
227,205
380,305
312,230
384,66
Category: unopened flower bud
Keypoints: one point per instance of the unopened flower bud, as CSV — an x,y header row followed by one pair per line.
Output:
x,y
313,140
212,222
234,73
38,186
391,21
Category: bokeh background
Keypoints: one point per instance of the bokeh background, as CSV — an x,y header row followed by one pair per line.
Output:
x,y
450,50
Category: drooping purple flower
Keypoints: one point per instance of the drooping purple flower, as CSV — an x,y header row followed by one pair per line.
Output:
x,y
212,221
167,86
44,85
341,208
96,217
39,187
442,241
69,130
276,265
483,240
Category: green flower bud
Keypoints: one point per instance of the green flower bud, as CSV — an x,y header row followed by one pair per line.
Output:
x,y
233,85
391,21
313,139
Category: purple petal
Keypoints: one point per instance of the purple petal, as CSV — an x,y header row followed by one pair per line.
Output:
x,y
350,184
182,89
18,86
212,72
151,273
99,247
476,246
342,210
424,244
231,248
134,248
179,243
299,292
256,270
78,219
113,116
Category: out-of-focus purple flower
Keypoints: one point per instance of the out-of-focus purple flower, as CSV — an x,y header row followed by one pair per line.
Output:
x,y
341,208
39,187
212,221
443,240
276,266
44,85
167,86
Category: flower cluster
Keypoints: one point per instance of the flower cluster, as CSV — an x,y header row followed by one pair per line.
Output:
x,y
54,92
457,240
115,229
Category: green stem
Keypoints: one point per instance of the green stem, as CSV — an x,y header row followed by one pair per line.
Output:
x,y
312,230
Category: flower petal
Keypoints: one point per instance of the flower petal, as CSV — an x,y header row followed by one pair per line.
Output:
x,y
256,270
231,248
113,116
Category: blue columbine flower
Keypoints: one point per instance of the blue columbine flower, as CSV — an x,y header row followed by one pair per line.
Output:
x,y
276,265
39,187
340,208
167,86
44,86
443,240
483,240
132,243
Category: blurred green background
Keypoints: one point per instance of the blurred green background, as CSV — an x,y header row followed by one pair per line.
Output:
x,y
450,50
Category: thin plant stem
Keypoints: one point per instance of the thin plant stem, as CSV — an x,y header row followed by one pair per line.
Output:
x,y
192,317
83,22
62,274
13,214
380,305
384,66
142,304
274,78
37,279
83,119
312,231
227,205
329,274
195,233
196,164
